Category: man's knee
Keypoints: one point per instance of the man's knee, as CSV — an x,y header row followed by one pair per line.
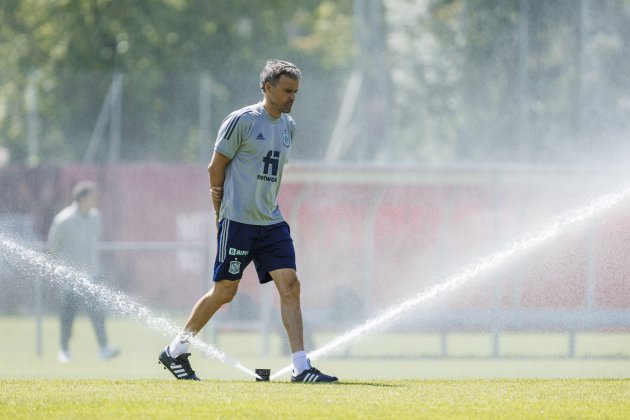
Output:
x,y
288,285
225,290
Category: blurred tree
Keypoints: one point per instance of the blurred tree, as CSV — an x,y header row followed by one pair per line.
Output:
x,y
509,81
445,80
70,49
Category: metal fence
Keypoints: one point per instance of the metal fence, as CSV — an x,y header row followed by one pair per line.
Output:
x,y
367,238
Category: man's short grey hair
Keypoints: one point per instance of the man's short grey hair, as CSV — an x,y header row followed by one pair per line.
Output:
x,y
274,69
82,189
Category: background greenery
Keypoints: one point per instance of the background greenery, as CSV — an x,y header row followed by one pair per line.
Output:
x,y
468,81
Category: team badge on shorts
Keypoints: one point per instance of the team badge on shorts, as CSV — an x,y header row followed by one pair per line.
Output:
x,y
235,267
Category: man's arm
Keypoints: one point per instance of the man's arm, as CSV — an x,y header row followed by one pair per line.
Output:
x,y
216,174
55,235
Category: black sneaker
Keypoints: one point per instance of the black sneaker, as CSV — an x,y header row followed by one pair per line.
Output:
x,y
312,375
179,366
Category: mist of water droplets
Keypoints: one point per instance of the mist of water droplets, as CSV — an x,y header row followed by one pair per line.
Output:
x,y
468,274
35,263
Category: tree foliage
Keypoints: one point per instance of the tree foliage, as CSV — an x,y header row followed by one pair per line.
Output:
x,y
70,49
445,80
510,81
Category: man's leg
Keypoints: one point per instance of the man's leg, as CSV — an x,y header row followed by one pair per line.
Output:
x,y
288,287
223,292
68,309
97,316
69,306
175,356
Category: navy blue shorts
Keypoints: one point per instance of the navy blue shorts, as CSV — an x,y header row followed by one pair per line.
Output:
x,y
270,247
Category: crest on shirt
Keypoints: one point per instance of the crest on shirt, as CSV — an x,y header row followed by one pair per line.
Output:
x,y
235,267
286,140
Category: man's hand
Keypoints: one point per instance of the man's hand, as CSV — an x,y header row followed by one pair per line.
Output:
x,y
217,196
216,176
217,193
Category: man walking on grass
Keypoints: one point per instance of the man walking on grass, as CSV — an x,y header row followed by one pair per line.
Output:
x,y
250,152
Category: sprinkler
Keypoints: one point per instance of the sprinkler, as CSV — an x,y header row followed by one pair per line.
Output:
x,y
264,375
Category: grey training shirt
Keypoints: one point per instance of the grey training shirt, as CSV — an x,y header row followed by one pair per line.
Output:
x,y
74,237
259,146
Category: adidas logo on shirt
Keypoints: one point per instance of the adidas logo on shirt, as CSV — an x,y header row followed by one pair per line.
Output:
x,y
260,137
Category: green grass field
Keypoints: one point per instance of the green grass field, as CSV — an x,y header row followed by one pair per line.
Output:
x,y
378,356
505,399
385,375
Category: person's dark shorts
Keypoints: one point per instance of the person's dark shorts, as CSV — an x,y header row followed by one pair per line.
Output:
x,y
238,244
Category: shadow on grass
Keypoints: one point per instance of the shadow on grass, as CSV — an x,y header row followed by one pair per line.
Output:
x,y
354,383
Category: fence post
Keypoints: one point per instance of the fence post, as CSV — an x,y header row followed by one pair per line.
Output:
x,y
444,343
571,349
39,347
369,257
32,120
115,115
205,112
496,336
590,266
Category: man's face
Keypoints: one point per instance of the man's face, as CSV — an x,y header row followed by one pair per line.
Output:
x,y
281,96
89,201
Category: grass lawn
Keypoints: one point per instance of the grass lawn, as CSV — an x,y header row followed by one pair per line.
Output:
x,y
387,375
379,356
431,399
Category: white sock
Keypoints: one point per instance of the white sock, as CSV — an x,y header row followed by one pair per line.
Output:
x,y
180,344
300,362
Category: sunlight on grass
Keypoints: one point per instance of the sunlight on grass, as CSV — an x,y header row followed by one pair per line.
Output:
x,y
358,399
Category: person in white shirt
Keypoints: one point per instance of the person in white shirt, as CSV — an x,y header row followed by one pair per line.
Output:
x,y
73,239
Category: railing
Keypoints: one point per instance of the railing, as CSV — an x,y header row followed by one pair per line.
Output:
x,y
383,233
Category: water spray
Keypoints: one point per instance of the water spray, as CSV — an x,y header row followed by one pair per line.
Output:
x,y
484,265
27,260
